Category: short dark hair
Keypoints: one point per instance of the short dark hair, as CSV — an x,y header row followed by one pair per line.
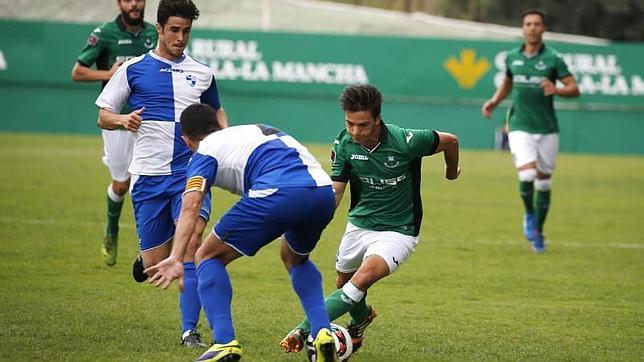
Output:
x,y
199,120
182,8
534,12
361,97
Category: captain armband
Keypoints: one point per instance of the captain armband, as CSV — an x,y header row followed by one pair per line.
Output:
x,y
195,183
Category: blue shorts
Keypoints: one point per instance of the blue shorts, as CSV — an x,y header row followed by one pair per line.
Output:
x,y
300,213
157,204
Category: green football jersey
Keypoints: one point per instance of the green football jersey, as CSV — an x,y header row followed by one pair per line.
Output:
x,y
531,111
111,43
385,181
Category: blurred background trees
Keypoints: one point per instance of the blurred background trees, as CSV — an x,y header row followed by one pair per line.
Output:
x,y
611,19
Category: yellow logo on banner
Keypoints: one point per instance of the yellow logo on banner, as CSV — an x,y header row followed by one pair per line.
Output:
x,y
467,70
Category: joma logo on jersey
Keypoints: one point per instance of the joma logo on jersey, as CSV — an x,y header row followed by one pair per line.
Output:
x,y
125,41
359,157
170,70
382,181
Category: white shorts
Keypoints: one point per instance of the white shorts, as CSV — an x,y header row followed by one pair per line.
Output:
x,y
118,147
357,244
534,147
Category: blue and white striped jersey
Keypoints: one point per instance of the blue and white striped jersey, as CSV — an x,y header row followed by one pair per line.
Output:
x,y
165,88
257,159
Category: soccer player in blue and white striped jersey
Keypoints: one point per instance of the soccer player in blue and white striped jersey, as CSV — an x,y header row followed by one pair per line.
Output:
x,y
158,86
284,192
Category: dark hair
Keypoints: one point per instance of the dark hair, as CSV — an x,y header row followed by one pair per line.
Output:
x,y
361,97
182,8
534,12
199,120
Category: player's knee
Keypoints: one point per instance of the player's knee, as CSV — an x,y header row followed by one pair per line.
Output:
x,y
543,184
120,188
201,255
527,175
291,261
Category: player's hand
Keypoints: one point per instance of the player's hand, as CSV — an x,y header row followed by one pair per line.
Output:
x,y
549,88
115,66
132,121
452,173
162,274
487,109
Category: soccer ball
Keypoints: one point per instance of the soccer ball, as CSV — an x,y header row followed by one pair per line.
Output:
x,y
343,344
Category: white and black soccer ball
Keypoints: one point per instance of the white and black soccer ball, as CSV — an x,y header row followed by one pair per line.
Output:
x,y
343,344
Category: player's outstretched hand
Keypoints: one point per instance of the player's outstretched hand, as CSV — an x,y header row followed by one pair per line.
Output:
x,y
452,173
162,274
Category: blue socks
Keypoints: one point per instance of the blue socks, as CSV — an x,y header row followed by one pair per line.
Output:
x,y
189,302
216,294
307,283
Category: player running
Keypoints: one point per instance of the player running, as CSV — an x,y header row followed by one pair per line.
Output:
x,y
108,46
382,164
533,69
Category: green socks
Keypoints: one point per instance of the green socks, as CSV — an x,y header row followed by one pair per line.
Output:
x,y
360,311
113,216
526,189
337,304
542,206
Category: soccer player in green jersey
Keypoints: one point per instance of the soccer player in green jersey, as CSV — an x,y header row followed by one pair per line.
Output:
x,y
533,70
382,162
108,46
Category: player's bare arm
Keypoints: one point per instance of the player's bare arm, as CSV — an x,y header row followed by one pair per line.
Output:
x,y
569,90
339,188
501,93
110,120
171,268
81,73
222,117
448,144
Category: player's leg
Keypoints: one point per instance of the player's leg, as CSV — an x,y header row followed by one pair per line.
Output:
x,y
307,211
548,150
155,214
242,230
117,146
189,301
349,258
216,293
154,222
386,252
523,147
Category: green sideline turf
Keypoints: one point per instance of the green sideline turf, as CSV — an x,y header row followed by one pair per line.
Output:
x,y
472,291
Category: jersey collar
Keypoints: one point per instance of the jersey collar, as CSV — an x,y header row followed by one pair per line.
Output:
x,y
382,137
540,51
167,61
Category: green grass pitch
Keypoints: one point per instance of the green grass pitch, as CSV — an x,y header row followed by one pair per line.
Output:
x,y
472,291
